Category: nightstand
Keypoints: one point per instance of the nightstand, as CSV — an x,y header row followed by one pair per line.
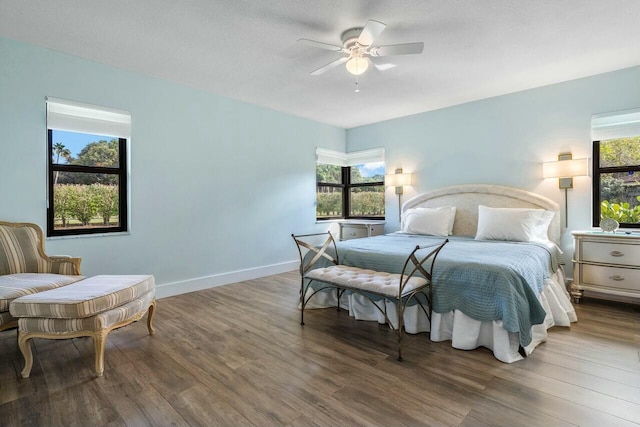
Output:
x,y
607,263
354,229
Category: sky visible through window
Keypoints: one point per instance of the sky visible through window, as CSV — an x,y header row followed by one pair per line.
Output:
x,y
371,169
75,142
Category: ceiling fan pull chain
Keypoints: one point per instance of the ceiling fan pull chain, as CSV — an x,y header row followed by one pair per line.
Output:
x,y
357,88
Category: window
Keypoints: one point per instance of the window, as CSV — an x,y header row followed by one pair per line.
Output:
x,y
616,168
350,185
87,169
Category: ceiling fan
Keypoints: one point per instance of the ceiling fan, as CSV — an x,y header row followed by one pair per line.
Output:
x,y
357,44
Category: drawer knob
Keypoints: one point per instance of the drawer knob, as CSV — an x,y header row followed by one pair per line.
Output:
x,y
616,253
617,278
353,233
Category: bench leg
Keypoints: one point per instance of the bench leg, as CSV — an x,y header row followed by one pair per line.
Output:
x,y
400,310
302,289
150,313
99,341
25,348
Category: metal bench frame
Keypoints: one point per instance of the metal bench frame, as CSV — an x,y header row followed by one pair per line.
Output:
x,y
412,266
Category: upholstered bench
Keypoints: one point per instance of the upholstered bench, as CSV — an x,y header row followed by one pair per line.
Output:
x,y
92,307
397,288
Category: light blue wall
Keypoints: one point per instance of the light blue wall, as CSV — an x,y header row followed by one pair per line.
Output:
x,y
217,185
503,140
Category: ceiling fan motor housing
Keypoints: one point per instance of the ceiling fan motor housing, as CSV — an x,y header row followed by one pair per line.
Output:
x,y
350,36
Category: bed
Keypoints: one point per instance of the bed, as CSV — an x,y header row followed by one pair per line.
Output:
x,y
493,293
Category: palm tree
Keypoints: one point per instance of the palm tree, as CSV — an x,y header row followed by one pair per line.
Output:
x,y
60,150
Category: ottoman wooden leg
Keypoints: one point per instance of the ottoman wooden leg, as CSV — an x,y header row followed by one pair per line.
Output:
x,y
25,348
150,313
99,341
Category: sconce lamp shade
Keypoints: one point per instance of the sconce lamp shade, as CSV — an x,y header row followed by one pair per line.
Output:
x,y
397,179
565,168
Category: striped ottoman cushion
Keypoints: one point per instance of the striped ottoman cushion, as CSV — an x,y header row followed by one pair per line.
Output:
x,y
85,298
102,320
13,286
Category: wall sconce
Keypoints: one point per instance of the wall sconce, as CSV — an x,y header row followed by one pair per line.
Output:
x,y
398,180
565,169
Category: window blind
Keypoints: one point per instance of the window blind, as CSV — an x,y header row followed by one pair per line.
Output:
x,y
619,124
84,118
354,158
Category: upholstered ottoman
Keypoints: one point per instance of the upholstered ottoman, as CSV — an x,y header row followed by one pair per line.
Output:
x,y
92,307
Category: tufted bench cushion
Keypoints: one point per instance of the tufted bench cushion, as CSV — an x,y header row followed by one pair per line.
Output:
x,y
85,298
13,286
365,280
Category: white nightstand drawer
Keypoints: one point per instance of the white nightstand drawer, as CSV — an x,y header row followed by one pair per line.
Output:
x,y
354,232
611,277
358,229
610,253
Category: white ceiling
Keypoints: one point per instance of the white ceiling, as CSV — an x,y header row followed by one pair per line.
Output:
x,y
247,50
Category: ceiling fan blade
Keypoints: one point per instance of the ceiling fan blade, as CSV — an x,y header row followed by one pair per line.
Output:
x,y
329,66
321,45
370,32
397,49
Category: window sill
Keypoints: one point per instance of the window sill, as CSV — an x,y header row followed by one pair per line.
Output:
x,y
85,236
351,221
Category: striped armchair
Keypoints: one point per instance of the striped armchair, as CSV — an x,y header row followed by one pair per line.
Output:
x,y
25,268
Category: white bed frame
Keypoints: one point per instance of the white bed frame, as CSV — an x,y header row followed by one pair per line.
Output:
x,y
467,198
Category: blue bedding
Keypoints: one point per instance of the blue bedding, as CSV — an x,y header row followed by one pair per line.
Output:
x,y
486,280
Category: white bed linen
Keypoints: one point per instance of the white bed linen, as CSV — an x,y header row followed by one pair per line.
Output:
x,y
464,332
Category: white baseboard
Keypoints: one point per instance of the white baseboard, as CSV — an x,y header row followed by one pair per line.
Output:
x,y
177,288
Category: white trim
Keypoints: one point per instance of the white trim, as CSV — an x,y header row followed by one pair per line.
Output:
x,y
207,282
374,155
619,124
330,157
353,158
75,116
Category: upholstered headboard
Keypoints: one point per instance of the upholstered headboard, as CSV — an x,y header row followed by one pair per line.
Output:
x,y
466,199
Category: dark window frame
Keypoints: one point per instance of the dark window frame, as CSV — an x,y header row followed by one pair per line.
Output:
x,y
597,171
120,171
346,187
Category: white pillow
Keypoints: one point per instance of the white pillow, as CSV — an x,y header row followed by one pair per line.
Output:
x,y
429,221
514,224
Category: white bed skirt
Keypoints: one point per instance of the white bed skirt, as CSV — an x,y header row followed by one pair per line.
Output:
x,y
464,332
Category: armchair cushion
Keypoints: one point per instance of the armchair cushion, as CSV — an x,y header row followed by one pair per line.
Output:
x,y
13,286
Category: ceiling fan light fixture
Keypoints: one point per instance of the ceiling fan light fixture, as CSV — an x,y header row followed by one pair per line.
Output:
x,y
357,65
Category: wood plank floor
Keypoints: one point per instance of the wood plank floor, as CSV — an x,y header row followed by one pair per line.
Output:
x,y
236,355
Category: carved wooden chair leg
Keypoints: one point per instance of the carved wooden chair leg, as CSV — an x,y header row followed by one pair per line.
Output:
x,y
25,349
150,314
99,341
